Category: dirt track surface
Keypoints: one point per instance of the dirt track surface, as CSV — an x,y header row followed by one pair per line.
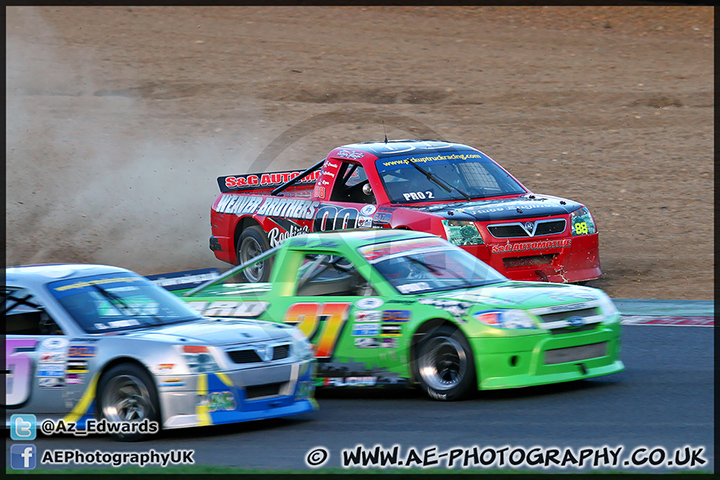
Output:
x,y
119,119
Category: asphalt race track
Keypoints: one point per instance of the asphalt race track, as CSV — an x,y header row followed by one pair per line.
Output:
x,y
664,398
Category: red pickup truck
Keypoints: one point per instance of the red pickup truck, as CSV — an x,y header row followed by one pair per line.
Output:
x,y
448,189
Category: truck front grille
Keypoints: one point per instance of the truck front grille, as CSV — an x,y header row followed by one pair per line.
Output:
x,y
250,355
582,313
244,356
266,390
575,354
538,228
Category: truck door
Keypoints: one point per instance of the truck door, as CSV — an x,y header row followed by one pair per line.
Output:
x,y
322,305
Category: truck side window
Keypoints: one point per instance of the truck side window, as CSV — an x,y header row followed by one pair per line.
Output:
x,y
25,316
352,185
330,275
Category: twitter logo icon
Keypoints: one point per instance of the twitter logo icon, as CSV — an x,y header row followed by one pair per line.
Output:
x,y
23,427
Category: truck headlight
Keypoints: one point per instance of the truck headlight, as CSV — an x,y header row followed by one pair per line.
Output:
x,y
199,359
511,319
582,222
462,233
608,308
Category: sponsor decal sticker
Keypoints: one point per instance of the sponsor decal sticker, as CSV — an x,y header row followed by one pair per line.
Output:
x,y
351,154
368,303
54,344
414,196
172,382
130,322
396,316
52,357
413,287
180,280
51,382
74,379
523,246
389,342
233,309
276,237
350,381
77,366
82,351
238,204
220,401
366,342
368,315
368,210
456,308
382,218
51,370
391,330
365,329
364,222
288,208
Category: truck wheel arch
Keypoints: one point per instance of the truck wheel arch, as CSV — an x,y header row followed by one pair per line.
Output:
x,y
426,327
243,224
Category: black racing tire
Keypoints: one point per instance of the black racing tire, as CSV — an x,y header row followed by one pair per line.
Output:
x,y
127,393
253,242
444,364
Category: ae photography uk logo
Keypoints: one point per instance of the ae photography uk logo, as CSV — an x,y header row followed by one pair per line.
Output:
x,y
25,457
618,457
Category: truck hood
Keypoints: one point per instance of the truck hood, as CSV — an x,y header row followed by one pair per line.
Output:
x,y
524,206
215,331
525,295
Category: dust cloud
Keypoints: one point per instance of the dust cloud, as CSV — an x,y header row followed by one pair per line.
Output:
x,y
97,175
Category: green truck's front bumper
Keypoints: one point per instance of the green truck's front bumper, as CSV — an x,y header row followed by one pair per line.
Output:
x,y
511,362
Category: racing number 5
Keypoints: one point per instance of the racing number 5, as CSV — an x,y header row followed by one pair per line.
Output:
x,y
308,316
19,369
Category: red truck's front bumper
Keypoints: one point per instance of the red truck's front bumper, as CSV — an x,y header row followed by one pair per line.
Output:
x,y
534,260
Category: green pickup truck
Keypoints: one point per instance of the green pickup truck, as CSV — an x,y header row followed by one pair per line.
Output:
x,y
395,307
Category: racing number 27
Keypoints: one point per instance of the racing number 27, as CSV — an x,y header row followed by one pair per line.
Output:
x,y
308,317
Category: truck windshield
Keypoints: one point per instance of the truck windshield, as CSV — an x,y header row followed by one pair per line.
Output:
x,y
468,172
114,302
428,265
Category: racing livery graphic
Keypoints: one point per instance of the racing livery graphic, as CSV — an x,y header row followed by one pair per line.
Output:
x,y
98,342
396,307
451,190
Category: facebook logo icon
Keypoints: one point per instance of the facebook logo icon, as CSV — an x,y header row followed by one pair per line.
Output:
x,y
23,427
22,457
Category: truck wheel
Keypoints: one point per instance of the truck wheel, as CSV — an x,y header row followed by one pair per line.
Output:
x,y
126,393
252,243
444,364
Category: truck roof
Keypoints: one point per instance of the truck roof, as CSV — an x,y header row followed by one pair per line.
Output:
x,y
399,147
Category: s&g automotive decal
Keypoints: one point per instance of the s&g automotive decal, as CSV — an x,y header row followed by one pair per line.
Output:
x,y
522,246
